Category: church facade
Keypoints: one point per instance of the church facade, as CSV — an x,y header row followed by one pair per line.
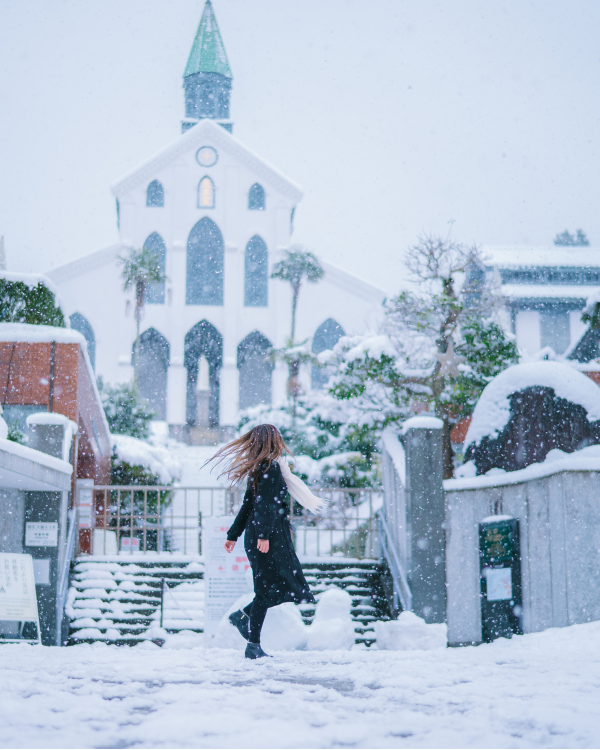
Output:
x,y
219,217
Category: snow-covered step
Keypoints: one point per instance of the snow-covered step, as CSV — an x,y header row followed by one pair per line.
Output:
x,y
120,602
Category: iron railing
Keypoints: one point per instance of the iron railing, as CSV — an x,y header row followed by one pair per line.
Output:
x,y
144,519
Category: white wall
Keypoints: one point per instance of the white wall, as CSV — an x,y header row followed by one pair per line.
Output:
x,y
527,329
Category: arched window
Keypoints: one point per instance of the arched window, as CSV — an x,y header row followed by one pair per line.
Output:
x,y
326,337
155,195
155,293
204,267
152,370
83,325
256,273
255,370
256,198
203,340
206,193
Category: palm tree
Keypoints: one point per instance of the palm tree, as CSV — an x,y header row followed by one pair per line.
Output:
x,y
140,268
297,264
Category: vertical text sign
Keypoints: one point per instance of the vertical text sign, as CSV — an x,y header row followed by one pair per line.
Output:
x,y
17,589
224,572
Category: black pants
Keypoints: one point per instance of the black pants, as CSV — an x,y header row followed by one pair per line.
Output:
x,y
256,611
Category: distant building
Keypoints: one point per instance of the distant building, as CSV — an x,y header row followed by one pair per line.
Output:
x,y
545,290
219,217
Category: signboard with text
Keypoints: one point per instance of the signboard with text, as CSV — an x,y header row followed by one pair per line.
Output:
x,y
38,534
18,601
224,572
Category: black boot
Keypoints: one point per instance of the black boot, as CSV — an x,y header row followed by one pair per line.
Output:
x,y
241,621
254,651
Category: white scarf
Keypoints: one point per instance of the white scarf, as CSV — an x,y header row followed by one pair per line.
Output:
x,y
298,490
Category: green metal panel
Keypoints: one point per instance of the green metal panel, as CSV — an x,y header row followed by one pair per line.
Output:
x,y
208,51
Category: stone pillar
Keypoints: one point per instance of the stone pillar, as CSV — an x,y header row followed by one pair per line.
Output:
x,y
422,438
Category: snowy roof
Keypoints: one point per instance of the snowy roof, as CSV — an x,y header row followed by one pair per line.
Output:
x,y
353,284
195,137
548,291
97,259
492,411
527,256
27,332
156,459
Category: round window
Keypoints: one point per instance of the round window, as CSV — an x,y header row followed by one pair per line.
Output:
x,y
206,156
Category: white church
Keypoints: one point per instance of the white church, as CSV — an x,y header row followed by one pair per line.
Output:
x,y
219,217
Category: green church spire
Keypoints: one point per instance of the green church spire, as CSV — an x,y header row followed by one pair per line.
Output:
x,y
208,51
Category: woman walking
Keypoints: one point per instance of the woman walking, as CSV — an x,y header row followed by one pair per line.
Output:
x,y
258,456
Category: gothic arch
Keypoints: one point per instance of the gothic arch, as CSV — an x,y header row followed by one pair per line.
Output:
x,y
256,273
326,337
203,339
152,369
206,193
80,323
256,198
155,195
255,370
155,293
204,266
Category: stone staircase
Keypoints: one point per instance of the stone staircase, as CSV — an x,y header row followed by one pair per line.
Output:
x,y
120,602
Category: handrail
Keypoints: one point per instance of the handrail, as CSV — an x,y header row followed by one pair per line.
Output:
x,y
63,584
401,588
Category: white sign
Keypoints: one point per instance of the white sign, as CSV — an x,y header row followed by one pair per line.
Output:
x,y
499,584
130,544
85,498
224,572
41,534
18,600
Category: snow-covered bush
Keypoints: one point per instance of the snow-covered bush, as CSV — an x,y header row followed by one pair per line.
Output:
x,y
142,463
127,413
332,627
409,633
29,298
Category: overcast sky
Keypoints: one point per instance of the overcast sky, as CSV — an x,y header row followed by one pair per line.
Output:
x,y
395,116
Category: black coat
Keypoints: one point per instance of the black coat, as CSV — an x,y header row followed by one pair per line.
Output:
x,y
277,573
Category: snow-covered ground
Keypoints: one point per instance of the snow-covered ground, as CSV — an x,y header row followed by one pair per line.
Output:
x,y
540,690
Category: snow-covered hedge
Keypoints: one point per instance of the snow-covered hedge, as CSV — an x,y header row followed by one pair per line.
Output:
x,y
155,460
30,298
492,411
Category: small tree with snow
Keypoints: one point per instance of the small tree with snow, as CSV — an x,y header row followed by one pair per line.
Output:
x,y
437,350
34,303
127,413
139,269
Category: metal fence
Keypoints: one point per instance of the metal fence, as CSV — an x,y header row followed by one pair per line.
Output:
x,y
132,520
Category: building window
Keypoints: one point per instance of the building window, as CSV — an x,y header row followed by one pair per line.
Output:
x,y
152,370
256,269
82,325
256,198
326,337
204,264
206,193
255,370
155,195
555,329
203,348
155,292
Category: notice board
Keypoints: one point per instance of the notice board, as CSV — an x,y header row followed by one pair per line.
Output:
x,y
18,600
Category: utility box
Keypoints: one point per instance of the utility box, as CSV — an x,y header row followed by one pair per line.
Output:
x,y
500,571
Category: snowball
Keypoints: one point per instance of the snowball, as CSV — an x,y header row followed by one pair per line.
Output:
x,y
409,633
283,629
332,627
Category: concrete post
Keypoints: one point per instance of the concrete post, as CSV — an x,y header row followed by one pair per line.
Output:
x,y
422,438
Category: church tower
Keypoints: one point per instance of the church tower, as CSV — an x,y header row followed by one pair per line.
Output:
x,y
207,78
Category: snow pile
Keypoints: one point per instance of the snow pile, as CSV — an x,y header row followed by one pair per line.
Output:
x,y
410,633
154,458
492,411
332,627
34,334
283,629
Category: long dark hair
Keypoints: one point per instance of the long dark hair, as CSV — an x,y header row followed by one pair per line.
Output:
x,y
251,454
